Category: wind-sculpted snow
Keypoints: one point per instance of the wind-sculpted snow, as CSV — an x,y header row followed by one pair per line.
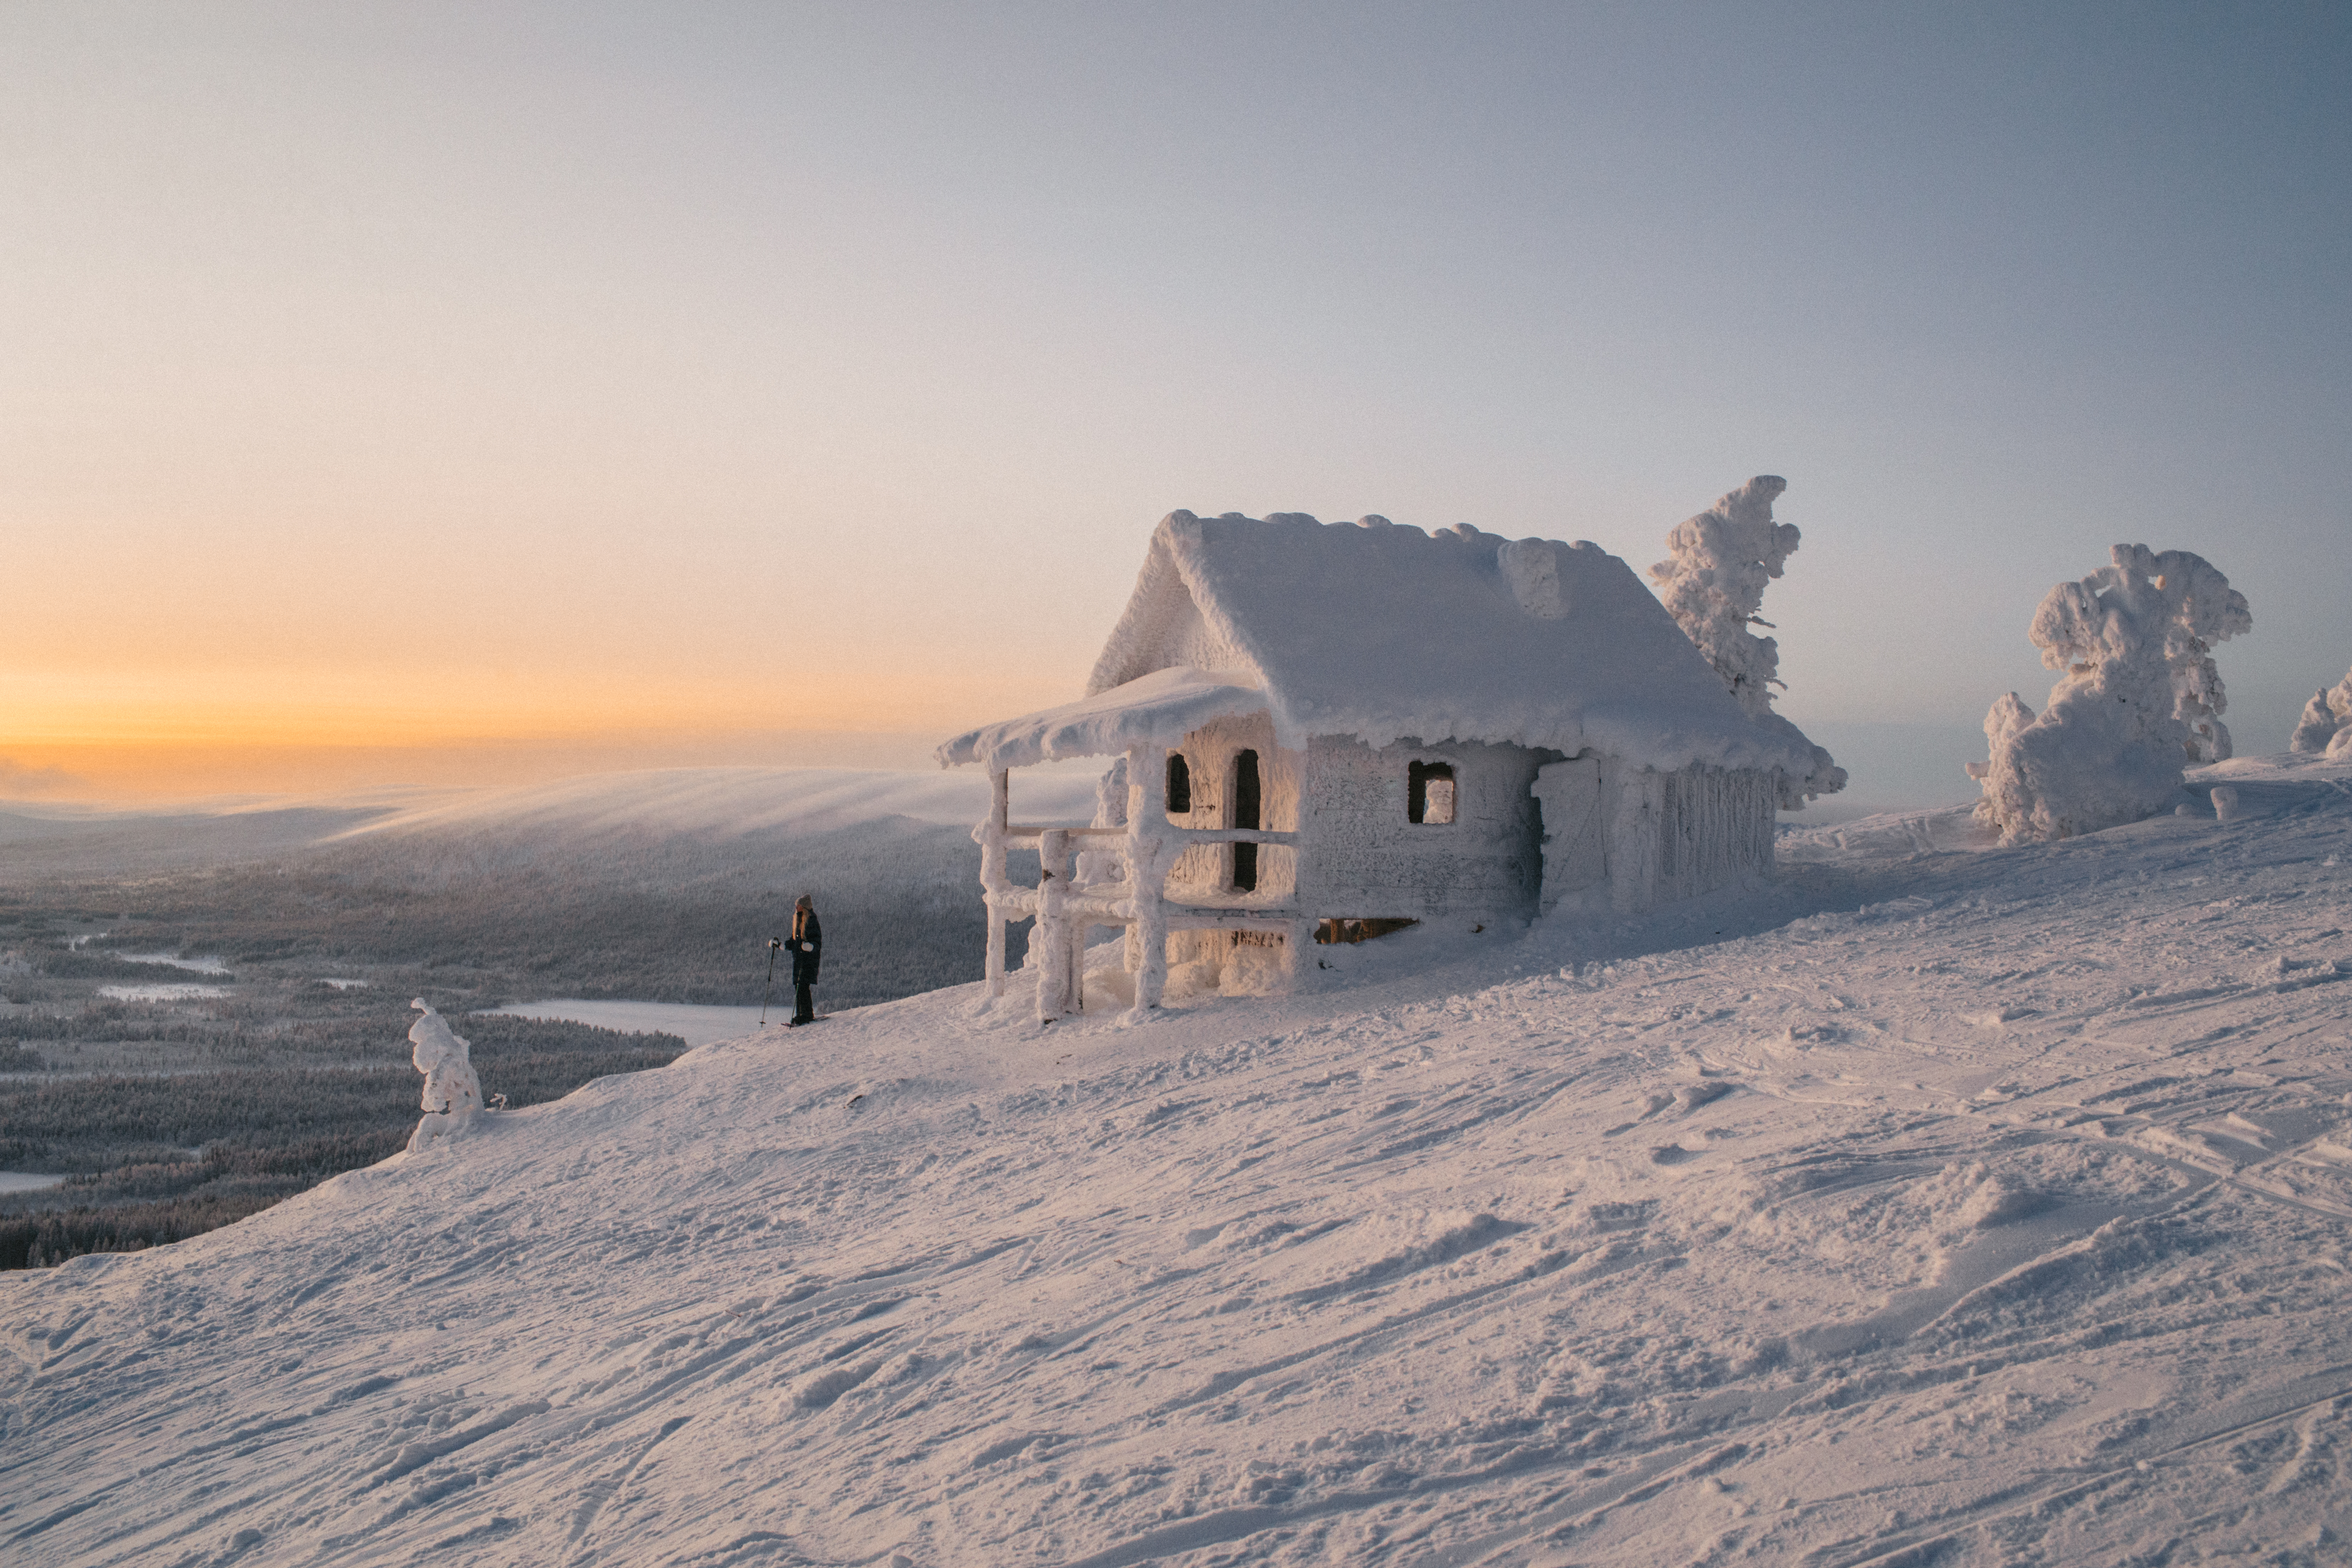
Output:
x,y
1937,1202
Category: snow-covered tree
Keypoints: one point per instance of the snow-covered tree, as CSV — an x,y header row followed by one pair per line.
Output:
x,y
2137,697
452,1092
2203,609
1713,584
2326,720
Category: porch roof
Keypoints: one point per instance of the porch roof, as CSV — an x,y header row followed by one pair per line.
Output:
x,y
1159,708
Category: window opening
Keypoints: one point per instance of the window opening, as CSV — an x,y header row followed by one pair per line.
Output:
x,y
1429,792
1245,793
1179,784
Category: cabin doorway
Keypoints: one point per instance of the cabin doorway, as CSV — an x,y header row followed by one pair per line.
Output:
x,y
1244,797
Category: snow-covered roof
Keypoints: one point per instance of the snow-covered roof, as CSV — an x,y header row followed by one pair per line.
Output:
x,y
1163,707
1385,633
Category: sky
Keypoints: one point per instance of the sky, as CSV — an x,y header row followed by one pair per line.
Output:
x,y
422,393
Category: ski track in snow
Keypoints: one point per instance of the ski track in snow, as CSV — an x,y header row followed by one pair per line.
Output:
x,y
1988,1207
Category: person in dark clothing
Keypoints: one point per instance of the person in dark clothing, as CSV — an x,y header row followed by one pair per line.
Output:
x,y
808,948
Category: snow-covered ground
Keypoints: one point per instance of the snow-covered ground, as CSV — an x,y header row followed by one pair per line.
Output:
x,y
1935,1203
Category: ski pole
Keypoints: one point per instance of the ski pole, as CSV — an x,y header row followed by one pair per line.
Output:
x,y
774,942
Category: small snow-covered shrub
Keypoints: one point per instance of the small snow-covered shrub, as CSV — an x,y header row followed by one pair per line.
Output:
x,y
1713,584
2137,699
2326,719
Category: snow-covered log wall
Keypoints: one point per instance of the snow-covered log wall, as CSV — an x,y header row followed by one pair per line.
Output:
x,y
1717,827
1366,856
1680,834
1650,838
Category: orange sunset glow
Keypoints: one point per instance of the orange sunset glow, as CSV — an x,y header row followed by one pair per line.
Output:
x,y
409,382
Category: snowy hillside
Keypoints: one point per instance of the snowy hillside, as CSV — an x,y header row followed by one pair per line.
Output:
x,y
1935,1203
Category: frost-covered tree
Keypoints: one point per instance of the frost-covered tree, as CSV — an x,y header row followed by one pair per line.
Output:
x,y
2137,697
2203,609
2326,720
451,1093
1713,584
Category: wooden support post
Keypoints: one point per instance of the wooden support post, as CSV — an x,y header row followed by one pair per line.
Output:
x,y
993,882
1147,873
1298,951
1051,938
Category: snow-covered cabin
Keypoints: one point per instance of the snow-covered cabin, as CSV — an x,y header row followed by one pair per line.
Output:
x,y
1364,721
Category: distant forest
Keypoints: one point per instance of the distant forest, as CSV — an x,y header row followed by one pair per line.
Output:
x,y
640,916
158,1158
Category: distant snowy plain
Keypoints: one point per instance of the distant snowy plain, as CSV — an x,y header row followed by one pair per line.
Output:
x,y
605,812
1930,1202
665,884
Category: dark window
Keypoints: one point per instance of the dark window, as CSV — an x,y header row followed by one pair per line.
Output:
x,y
1179,784
1245,793
1429,792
